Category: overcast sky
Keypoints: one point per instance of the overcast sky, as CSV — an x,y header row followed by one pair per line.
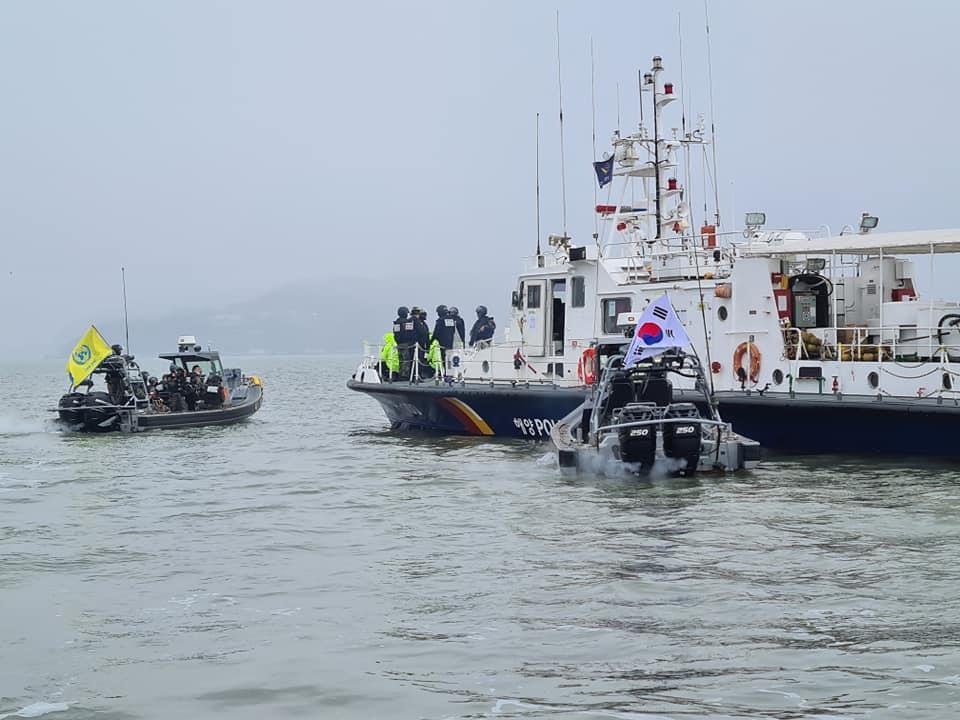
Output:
x,y
223,149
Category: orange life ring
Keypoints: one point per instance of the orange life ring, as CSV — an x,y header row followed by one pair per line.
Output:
x,y
754,360
586,367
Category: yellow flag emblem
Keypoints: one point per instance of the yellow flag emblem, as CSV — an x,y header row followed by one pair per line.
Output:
x,y
87,355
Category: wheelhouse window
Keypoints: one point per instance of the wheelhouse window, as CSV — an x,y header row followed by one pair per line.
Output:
x,y
533,297
611,308
578,297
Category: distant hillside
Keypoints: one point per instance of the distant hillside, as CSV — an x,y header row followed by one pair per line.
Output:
x,y
332,316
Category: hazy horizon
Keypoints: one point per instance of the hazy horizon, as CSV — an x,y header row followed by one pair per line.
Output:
x,y
221,151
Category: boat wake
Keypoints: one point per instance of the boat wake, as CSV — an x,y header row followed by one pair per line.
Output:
x,y
11,425
36,710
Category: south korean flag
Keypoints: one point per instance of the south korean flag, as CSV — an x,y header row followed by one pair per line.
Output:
x,y
658,329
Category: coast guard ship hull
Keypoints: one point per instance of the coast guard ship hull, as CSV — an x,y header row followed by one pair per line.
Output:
x,y
811,341
823,424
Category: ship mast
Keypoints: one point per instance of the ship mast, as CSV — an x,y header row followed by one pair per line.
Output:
x,y
651,79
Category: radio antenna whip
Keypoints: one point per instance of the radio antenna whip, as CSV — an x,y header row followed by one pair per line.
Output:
x,y
126,323
563,171
713,128
538,185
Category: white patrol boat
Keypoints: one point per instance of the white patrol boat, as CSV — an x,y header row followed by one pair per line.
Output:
x,y
812,341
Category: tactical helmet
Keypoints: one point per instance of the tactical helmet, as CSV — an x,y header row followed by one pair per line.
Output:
x,y
402,311
481,310
441,310
415,310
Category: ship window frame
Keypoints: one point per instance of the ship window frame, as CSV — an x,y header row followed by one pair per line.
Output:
x,y
609,322
534,296
578,291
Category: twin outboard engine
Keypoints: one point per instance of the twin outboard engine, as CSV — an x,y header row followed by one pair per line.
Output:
x,y
70,408
638,444
94,411
99,414
681,440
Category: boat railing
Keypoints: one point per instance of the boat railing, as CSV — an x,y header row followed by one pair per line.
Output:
x,y
901,354
484,363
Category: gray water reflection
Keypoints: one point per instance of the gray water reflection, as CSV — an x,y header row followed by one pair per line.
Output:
x,y
312,563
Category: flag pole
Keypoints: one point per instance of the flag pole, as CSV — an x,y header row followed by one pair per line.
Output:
x,y
126,323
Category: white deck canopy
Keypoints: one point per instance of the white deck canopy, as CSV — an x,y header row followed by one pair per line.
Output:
x,y
917,242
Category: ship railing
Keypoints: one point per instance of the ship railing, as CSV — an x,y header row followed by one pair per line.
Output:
x,y
694,262
483,365
921,356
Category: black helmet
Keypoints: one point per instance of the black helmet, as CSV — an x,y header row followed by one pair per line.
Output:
x,y
454,311
441,310
415,310
402,311
481,310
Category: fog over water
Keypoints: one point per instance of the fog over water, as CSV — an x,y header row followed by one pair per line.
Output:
x,y
379,153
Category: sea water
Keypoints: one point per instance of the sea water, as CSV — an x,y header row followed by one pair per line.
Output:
x,y
312,563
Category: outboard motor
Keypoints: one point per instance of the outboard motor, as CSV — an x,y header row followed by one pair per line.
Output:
x,y
681,440
638,444
70,408
99,414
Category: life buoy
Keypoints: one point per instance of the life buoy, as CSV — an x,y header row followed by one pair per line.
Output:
x,y
738,354
586,367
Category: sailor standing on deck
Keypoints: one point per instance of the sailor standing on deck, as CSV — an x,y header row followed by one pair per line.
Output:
x,y
460,336
443,332
423,335
482,331
404,332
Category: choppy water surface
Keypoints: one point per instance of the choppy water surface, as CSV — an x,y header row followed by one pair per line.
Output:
x,y
310,563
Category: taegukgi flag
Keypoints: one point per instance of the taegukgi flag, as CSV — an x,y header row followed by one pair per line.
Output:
x,y
87,355
658,329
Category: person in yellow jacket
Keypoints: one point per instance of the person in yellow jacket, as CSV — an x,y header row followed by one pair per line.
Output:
x,y
435,358
389,357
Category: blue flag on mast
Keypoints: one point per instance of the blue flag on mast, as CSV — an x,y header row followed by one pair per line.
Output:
x,y
604,170
658,329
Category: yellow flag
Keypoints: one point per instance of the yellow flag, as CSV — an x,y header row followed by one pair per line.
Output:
x,y
87,355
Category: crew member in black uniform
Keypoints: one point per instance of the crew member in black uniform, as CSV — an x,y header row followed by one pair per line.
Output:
x,y
423,336
460,326
443,330
404,332
483,328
